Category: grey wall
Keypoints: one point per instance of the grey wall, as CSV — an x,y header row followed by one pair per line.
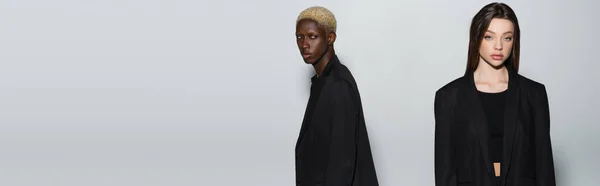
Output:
x,y
181,92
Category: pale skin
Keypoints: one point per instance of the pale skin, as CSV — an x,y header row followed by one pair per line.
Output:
x,y
491,75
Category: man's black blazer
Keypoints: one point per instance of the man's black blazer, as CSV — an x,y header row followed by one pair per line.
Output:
x,y
333,146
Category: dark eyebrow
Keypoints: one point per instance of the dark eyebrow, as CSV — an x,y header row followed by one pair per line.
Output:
x,y
509,32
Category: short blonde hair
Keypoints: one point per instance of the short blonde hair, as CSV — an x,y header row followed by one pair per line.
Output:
x,y
324,18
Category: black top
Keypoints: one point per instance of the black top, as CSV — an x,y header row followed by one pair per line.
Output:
x,y
333,145
493,109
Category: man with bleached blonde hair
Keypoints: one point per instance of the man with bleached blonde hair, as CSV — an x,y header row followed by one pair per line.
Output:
x,y
333,146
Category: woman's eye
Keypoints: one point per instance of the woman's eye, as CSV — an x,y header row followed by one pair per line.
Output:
x,y
487,37
508,39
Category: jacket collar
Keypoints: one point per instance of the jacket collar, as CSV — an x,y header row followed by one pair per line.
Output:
x,y
480,123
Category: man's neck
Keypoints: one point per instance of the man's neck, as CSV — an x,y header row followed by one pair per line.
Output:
x,y
322,63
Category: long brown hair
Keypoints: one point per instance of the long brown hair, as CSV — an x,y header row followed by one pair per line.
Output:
x,y
479,26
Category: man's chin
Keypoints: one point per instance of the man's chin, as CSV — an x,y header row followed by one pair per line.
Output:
x,y
309,61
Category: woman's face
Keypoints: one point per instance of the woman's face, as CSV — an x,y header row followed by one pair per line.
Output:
x,y
497,42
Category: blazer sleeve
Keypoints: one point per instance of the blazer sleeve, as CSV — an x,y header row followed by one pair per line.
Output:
x,y
445,174
543,148
343,138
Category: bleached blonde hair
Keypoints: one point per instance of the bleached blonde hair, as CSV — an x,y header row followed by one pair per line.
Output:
x,y
324,18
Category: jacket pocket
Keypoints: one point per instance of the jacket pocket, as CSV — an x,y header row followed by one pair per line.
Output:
x,y
464,183
319,177
528,164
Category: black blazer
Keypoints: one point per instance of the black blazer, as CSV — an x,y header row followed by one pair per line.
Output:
x,y
461,135
333,146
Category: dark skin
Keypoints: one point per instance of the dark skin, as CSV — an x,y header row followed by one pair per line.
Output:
x,y
315,45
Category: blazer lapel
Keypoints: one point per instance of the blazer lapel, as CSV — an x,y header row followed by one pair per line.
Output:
x,y
313,101
303,127
510,120
479,121
310,107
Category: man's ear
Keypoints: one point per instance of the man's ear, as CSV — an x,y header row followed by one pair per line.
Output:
x,y
331,38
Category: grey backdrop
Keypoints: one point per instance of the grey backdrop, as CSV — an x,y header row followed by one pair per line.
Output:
x,y
181,92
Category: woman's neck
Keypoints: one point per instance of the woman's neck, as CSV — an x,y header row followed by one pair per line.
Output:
x,y
487,74
490,79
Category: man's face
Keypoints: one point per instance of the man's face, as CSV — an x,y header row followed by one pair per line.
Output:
x,y
312,40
